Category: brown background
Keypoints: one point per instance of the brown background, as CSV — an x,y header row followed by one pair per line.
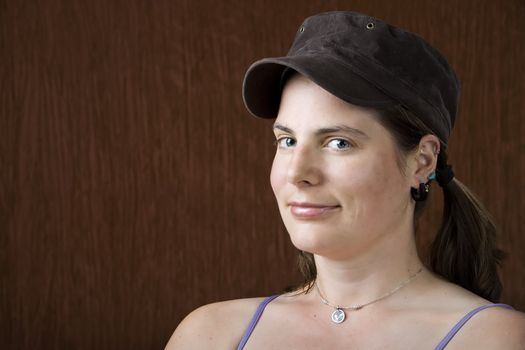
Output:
x,y
134,185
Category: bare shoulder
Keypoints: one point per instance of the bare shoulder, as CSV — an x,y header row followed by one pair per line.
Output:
x,y
489,328
493,328
214,326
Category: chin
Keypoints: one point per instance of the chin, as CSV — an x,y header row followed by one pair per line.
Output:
x,y
311,240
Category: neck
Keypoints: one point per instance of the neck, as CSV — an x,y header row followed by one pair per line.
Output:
x,y
368,276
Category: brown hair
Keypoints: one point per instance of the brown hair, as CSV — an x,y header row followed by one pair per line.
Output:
x,y
463,250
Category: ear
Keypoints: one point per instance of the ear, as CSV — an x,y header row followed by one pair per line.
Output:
x,y
424,160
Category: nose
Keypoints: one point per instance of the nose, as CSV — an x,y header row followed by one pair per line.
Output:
x,y
303,167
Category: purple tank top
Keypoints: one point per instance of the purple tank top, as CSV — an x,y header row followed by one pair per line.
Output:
x,y
440,346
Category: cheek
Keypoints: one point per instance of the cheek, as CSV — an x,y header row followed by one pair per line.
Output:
x,y
277,175
374,178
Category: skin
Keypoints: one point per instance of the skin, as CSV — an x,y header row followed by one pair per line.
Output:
x,y
344,198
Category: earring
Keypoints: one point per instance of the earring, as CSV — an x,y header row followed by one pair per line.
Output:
x,y
419,195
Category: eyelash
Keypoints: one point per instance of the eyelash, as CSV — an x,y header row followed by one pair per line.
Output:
x,y
284,138
280,139
350,145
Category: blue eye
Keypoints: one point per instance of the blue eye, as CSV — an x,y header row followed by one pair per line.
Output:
x,y
286,142
339,144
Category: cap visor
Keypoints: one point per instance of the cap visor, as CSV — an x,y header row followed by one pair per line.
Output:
x,y
262,83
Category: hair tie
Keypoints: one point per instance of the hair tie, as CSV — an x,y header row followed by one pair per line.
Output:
x,y
444,175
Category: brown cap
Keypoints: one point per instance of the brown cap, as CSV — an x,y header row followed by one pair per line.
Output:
x,y
363,61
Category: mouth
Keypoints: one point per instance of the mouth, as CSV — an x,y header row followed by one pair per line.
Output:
x,y
305,211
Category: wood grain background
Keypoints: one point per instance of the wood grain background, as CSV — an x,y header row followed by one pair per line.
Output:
x,y
135,186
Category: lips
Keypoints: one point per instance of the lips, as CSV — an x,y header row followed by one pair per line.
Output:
x,y
304,210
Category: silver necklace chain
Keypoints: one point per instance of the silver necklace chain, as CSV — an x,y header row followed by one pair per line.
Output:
x,y
338,316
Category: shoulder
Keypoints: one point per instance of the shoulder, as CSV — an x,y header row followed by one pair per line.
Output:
x,y
214,326
489,328
493,328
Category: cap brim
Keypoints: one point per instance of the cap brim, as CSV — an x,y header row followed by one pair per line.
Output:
x,y
262,83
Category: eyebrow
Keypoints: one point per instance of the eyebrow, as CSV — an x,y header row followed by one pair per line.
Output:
x,y
329,130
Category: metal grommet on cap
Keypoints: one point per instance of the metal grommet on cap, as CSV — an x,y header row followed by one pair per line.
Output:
x,y
370,25
301,29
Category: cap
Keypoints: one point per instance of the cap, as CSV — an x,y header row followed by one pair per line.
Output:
x,y
364,61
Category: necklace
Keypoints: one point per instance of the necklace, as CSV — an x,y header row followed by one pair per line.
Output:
x,y
338,315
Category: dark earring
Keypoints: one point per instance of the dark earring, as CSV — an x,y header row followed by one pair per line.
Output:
x,y
420,194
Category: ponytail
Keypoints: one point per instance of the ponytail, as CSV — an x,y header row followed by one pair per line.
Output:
x,y
463,250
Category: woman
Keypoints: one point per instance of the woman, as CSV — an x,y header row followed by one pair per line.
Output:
x,y
363,114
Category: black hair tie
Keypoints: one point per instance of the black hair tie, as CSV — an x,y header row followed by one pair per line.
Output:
x,y
444,175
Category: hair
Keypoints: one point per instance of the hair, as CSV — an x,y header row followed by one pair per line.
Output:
x,y
463,250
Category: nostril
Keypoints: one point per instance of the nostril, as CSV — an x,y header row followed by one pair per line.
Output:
x,y
303,175
304,183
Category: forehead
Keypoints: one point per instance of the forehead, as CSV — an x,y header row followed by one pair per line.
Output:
x,y
306,104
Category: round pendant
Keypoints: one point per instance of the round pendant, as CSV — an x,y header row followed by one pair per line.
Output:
x,y
338,316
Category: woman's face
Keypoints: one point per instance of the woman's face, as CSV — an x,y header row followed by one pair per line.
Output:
x,y
335,175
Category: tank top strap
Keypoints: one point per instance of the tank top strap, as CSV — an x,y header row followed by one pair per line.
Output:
x,y
255,319
464,320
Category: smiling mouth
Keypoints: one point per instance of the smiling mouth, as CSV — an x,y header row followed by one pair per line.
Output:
x,y
312,211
